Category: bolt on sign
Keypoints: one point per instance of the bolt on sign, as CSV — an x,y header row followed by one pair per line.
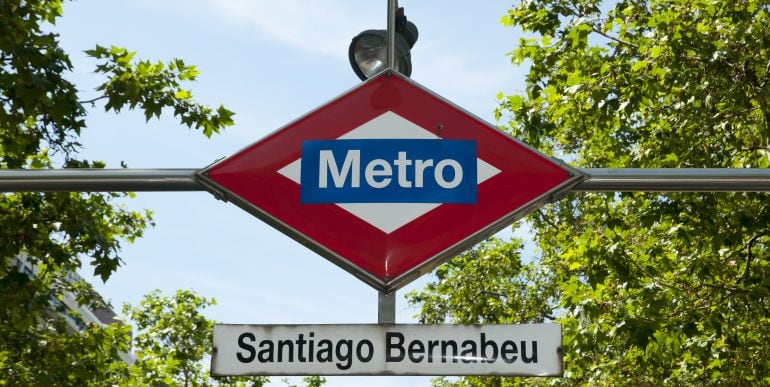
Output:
x,y
388,180
408,349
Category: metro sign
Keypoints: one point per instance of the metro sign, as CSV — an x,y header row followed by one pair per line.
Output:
x,y
388,180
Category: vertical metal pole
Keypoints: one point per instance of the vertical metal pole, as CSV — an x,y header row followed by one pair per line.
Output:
x,y
386,303
392,8
386,308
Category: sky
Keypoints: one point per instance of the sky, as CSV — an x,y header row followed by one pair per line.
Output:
x,y
270,62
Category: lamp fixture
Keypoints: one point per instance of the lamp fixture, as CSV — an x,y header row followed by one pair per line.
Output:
x,y
368,50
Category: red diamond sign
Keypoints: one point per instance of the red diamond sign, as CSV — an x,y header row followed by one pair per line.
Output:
x,y
388,180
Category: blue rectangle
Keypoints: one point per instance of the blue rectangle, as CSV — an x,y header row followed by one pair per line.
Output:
x,y
388,171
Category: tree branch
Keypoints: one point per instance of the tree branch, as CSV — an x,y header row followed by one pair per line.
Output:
x,y
749,256
614,39
92,101
545,218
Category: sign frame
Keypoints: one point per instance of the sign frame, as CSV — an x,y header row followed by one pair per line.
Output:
x,y
388,285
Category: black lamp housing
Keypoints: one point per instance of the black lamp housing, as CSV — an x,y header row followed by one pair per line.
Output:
x,y
368,50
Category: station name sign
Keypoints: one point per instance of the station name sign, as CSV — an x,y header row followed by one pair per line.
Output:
x,y
515,350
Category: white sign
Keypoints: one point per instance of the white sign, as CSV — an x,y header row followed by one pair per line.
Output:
x,y
523,350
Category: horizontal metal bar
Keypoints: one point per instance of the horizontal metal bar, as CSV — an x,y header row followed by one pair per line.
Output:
x,y
98,180
598,180
675,180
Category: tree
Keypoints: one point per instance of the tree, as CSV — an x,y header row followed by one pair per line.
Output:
x,y
462,294
173,339
310,381
650,288
42,115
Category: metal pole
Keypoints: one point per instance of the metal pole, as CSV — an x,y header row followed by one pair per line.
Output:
x,y
386,303
598,180
392,9
675,180
98,180
386,308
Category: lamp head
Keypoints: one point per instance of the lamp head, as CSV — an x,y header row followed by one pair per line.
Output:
x,y
368,50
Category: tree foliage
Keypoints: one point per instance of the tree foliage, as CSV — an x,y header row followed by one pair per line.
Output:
x,y
42,114
173,340
462,294
650,288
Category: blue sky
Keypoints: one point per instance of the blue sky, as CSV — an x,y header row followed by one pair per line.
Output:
x,y
270,62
